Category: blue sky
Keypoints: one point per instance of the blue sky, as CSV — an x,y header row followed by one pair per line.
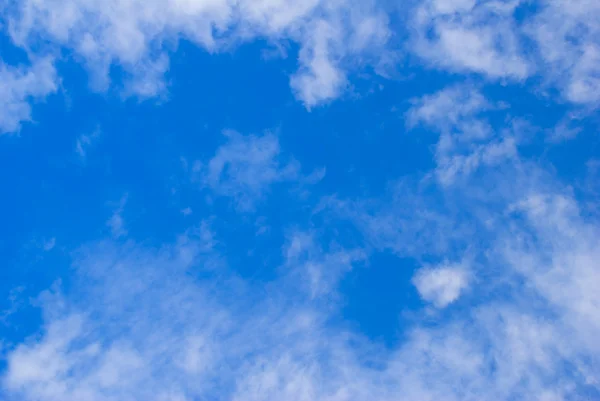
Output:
x,y
318,200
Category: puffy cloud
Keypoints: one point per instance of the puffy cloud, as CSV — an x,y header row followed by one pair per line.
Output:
x,y
442,285
555,41
19,86
567,35
136,35
470,36
175,322
127,327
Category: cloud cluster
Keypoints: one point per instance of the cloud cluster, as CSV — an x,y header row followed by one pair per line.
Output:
x,y
175,322
170,324
555,42
510,255
137,35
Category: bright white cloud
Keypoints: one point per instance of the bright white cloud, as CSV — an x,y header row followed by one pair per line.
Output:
x,y
136,35
469,36
558,42
135,331
442,285
534,339
21,85
567,266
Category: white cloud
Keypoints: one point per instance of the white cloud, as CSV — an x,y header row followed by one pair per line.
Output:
x,y
566,129
467,140
567,34
19,86
245,168
320,79
451,167
469,36
314,270
529,332
455,108
136,35
138,325
442,285
558,41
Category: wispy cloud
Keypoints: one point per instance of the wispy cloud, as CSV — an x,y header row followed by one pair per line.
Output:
x,y
335,39
136,326
314,270
49,244
555,40
245,168
85,141
116,222
466,138
470,36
